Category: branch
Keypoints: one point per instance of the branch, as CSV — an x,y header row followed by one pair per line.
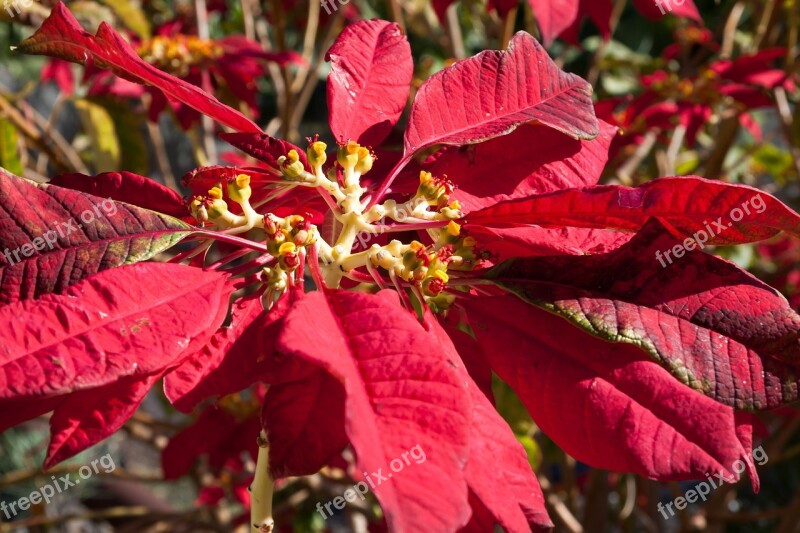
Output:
x,y
261,491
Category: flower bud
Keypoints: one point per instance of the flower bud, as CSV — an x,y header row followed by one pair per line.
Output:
x,y
291,166
316,153
365,160
347,155
239,189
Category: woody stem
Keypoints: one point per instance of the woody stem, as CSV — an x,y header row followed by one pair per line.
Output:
x,y
261,490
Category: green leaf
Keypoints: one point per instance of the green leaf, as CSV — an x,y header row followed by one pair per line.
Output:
x,y
9,151
104,152
131,15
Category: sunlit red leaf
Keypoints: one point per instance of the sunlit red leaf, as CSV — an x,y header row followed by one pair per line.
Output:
x,y
61,36
685,205
401,391
494,92
134,320
371,69
497,471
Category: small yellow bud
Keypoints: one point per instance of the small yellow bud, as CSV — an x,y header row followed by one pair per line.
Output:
x,y
217,208
243,180
215,192
316,153
287,248
441,275
425,177
365,160
453,229
348,154
239,189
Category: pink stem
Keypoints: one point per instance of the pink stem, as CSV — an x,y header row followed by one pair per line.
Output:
x,y
232,239
384,187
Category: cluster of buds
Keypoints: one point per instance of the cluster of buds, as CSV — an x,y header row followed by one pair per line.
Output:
x,y
292,169
354,157
435,190
212,207
177,54
287,238
463,254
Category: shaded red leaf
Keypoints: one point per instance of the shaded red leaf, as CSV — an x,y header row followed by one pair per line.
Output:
x,y
52,238
236,356
61,36
305,424
686,205
127,187
264,148
497,471
401,391
715,327
529,241
89,416
130,321
605,404
212,427
371,69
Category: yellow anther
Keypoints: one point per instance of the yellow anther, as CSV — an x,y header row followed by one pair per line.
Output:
x,y
365,160
455,205
348,154
215,193
453,229
353,147
416,245
287,248
243,180
425,177
441,275
293,156
316,153
469,242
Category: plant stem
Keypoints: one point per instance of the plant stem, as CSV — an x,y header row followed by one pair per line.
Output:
x,y
261,491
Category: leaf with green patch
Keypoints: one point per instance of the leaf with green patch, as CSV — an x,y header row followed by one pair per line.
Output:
x,y
51,237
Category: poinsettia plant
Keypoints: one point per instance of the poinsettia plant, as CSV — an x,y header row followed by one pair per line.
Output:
x,y
363,298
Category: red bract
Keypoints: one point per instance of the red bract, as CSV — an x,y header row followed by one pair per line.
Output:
x,y
630,347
